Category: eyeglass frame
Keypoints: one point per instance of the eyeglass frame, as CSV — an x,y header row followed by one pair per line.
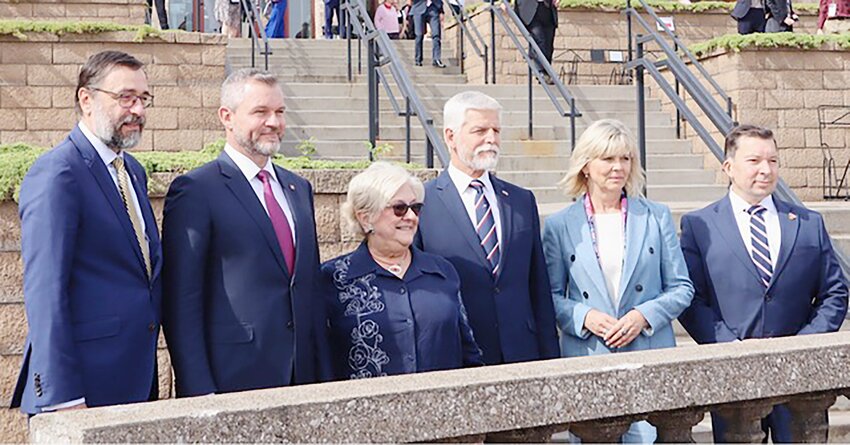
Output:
x,y
146,100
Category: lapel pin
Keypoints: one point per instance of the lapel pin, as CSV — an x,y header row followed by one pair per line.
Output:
x,y
792,216
292,187
505,192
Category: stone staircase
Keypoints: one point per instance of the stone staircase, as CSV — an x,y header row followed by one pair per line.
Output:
x,y
331,113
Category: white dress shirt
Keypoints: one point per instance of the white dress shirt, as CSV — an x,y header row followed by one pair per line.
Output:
x,y
107,155
250,170
467,194
771,220
611,241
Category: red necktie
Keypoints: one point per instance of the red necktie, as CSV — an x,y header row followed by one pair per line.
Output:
x,y
279,222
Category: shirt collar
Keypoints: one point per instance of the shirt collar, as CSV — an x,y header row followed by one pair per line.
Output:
x,y
461,180
107,155
361,263
247,166
739,205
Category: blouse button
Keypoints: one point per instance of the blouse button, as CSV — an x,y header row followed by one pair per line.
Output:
x,y
639,288
651,250
585,294
573,258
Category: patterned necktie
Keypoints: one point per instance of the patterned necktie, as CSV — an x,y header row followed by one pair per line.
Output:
x,y
279,222
759,243
485,226
132,211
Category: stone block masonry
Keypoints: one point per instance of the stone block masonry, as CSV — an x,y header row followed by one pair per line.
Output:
x,y
38,77
123,12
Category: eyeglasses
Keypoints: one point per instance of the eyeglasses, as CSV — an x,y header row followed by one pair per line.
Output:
x,y
127,100
400,208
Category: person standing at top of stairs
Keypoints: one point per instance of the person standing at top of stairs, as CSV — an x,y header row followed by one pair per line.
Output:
x,y
432,11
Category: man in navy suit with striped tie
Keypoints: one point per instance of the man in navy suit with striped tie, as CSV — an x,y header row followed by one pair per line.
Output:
x,y
490,231
761,267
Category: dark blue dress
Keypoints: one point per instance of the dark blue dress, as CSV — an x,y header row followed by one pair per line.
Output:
x,y
382,325
276,27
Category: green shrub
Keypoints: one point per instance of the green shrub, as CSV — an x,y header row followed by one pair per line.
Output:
x,y
18,28
735,42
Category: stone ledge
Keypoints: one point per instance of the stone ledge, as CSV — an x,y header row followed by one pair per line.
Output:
x,y
429,406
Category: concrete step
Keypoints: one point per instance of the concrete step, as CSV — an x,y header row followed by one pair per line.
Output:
x,y
660,193
336,67
545,178
537,147
434,105
360,132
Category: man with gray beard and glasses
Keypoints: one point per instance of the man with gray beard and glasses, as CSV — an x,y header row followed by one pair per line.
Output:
x,y
91,253
241,257
490,231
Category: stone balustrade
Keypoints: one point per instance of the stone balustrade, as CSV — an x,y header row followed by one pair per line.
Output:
x,y
596,397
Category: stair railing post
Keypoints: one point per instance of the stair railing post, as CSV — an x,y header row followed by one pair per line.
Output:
x,y
373,94
493,42
460,31
629,27
347,15
530,101
572,124
678,113
407,129
641,105
429,148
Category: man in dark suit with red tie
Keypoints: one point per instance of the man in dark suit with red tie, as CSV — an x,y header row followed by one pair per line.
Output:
x,y
239,238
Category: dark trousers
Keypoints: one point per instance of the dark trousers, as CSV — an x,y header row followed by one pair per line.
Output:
x,y
775,25
542,30
777,425
160,11
433,17
330,10
754,21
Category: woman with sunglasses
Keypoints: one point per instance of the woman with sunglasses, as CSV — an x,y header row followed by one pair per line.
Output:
x,y
392,308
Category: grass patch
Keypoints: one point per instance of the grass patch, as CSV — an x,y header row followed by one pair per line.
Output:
x,y
19,28
735,42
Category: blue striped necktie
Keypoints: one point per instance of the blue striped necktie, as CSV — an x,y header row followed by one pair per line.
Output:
x,y
759,243
485,226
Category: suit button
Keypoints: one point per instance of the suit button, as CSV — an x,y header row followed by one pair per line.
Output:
x,y
403,291
573,258
584,294
496,290
767,297
290,324
651,250
152,327
639,288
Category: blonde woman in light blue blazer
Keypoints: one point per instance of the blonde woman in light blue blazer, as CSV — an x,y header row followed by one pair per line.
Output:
x,y
617,272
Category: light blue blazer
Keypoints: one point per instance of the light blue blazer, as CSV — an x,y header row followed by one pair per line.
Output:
x,y
654,279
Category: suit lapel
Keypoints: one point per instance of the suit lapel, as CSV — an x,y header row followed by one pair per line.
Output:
x,y
448,194
788,231
107,186
239,186
579,232
636,222
726,224
503,200
293,199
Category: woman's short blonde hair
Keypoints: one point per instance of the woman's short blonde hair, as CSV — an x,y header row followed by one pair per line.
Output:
x,y
371,190
605,137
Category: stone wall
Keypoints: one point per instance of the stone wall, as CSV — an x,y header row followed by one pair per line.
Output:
x,y
329,188
580,30
782,89
38,77
124,12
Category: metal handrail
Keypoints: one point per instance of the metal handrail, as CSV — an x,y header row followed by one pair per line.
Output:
x,y
723,122
462,19
252,12
382,52
537,67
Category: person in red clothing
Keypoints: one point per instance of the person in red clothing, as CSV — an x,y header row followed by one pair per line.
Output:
x,y
834,16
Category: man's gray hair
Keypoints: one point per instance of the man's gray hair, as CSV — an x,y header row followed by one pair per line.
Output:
x,y
233,88
454,112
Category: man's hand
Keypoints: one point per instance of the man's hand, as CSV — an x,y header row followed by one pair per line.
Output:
x,y
626,329
788,21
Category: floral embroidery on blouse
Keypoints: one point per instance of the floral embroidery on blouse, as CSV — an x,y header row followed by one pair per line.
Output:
x,y
361,299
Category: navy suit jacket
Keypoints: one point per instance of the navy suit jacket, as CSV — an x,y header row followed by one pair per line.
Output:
x,y
807,295
511,315
233,316
93,313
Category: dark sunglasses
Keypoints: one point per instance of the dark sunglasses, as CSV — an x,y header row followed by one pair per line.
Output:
x,y
400,208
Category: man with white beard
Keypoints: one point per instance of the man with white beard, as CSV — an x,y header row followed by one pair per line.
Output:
x,y
91,253
241,257
490,231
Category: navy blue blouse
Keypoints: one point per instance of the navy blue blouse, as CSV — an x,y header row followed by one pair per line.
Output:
x,y
382,325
